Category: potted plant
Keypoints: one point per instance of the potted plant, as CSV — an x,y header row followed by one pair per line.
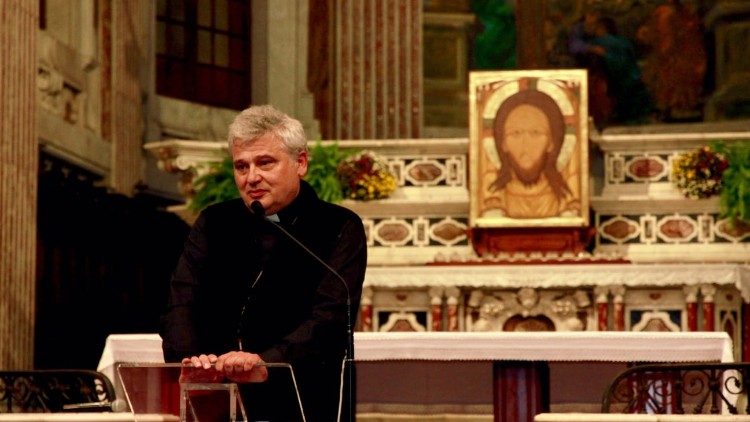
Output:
x,y
216,185
321,171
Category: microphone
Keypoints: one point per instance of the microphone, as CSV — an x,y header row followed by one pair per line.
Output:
x,y
117,405
257,208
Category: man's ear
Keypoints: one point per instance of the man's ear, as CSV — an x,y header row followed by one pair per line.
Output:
x,y
302,159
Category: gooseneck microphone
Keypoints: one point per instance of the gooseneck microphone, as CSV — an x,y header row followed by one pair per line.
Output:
x,y
117,405
257,208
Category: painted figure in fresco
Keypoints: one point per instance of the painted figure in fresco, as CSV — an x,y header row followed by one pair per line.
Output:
x,y
601,104
676,64
617,94
529,131
625,86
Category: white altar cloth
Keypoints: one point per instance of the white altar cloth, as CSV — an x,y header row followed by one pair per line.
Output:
x,y
603,346
377,348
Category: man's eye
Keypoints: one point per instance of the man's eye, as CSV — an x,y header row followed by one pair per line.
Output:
x,y
265,164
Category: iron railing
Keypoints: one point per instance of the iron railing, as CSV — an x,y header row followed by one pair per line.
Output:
x,y
694,388
35,391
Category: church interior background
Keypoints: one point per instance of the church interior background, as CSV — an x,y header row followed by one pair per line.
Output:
x,y
109,111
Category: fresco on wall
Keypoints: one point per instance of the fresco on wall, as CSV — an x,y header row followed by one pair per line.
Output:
x,y
649,61
653,61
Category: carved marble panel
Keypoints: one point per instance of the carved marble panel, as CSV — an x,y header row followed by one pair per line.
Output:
x,y
416,231
528,309
676,228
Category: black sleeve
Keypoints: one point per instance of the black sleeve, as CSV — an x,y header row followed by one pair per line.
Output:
x,y
178,325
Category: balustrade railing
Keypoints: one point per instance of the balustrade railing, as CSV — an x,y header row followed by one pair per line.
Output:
x,y
695,388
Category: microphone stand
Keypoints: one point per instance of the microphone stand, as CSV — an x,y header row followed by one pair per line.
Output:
x,y
257,208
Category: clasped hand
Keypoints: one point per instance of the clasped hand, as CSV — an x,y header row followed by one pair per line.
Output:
x,y
232,366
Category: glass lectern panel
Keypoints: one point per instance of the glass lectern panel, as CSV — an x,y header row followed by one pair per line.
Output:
x,y
157,389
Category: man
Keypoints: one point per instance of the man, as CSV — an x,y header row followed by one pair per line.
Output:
x,y
529,131
244,293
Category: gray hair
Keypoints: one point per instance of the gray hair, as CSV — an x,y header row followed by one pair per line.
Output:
x,y
256,121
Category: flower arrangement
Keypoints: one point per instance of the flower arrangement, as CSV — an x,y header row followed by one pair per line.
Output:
x,y
365,176
698,174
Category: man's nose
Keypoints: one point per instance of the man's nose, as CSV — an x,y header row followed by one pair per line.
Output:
x,y
253,175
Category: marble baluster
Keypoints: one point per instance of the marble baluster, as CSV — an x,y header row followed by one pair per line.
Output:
x,y
618,300
602,307
436,308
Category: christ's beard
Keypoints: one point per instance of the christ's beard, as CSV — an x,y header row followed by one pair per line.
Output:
x,y
528,176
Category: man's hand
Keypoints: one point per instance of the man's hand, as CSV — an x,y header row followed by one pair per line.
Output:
x,y
242,367
232,366
197,369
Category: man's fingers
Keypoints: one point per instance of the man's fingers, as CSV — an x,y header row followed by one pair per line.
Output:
x,y
205,362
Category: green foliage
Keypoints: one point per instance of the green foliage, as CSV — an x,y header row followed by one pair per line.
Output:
x,y
321,171
217,185
735,191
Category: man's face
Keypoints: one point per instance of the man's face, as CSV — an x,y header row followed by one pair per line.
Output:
x,y
527,142
265,171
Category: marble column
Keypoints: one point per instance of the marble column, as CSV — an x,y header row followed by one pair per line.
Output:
x,y
130,49
19,157
378,61
691,307
708,291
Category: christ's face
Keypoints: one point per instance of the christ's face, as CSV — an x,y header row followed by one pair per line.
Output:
x,y
527,142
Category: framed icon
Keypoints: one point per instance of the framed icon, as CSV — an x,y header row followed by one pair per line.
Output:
x,y
528,148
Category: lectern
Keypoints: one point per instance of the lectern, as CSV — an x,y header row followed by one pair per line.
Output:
x,y
159,388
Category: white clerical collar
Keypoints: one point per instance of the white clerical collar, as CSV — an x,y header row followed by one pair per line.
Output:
x,y
274,217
